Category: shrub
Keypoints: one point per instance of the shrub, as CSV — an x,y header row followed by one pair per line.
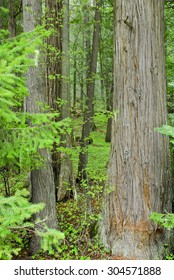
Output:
x,y
15,215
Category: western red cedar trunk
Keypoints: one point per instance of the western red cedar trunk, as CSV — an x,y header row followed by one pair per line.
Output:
x,y
42,180
139,160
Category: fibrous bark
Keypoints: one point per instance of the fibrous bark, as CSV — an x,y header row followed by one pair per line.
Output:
x,y
42,179
139,160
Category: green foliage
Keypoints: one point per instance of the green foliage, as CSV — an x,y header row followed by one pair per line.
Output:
x,y
22,135
80,229
15,222
22,142
164,220
15,211
170,256
99,150
79,226
50,240
167,130
169,37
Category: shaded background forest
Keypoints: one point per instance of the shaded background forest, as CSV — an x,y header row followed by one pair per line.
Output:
x,y
55,142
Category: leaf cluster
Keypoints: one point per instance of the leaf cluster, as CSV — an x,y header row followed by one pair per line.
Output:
x,y
22,136
15,223
164,220
15,212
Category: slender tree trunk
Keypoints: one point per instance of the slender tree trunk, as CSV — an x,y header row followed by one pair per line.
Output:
x,y
1,17
65,172
82,94
109,108
139,159
65,92
54,70
59,87
88,114
101,68
54,21
12,18
4,18
42,180
75,83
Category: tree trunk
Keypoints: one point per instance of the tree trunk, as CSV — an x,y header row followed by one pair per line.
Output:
x,y
101,68
88,114
54,70
54,20
75,83
42,180
139,159
58,87
65,172
12,18
1,15
109,108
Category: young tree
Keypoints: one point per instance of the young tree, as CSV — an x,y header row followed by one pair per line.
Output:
x,y
42,179
139,159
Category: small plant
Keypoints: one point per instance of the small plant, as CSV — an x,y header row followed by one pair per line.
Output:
x,y
81,231
170,257
15,215
22,135
166,221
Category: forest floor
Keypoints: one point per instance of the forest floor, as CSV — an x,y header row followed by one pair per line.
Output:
x,y
79,218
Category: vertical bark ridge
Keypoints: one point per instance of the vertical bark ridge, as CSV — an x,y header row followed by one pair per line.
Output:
x,y
42,179
139,165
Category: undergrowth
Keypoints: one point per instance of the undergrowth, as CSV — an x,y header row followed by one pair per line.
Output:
x,y
79,223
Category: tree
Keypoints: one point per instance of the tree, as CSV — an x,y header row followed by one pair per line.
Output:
x,y
4,14
89,110
42,179
12,18
109,109
15,9
57,17
106,62
65,165
81,15
1,22
139,160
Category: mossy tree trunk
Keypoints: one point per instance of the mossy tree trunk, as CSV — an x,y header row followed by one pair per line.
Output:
x,y
139,159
